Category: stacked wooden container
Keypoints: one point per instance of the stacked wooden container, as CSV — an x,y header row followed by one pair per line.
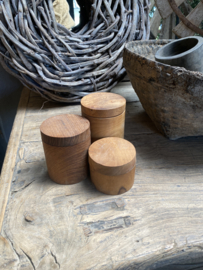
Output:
x,y
68,149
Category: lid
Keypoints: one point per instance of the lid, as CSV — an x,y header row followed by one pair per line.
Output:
x,y
65,130
112,156
103,104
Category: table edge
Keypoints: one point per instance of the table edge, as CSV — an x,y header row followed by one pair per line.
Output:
x,y
11,154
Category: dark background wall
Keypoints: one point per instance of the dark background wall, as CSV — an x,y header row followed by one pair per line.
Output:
x,y
10,91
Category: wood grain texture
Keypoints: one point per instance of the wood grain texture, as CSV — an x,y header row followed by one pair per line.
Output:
x,y
112,156
106,113
164,7
195,17
167,93
11,153
102,105
106,127
66,139
167,26
65,130
112,165
112,184
180,15
157,224
155,23
151,4
67,165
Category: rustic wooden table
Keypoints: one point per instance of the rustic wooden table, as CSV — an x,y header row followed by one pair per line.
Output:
x,y
158,223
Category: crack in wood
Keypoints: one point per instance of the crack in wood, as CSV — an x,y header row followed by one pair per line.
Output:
x,y
155,220
102,206
29,258
55,258
62,199
24,187
102,226
14,250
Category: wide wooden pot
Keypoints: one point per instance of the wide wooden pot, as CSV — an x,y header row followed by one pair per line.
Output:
x,y
106,113
66,139
171,96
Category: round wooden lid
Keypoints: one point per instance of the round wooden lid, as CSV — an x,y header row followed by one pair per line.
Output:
x,y
103,105
65,130
112,156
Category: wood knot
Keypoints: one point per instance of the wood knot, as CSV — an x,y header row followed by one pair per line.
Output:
x,y
122,190
29,218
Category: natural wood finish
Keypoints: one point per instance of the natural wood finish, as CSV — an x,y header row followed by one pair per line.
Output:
x,y
151,4
164,7
106,127
11,153
156,224
67,165
195,17
188,23
112,156
65,130
167,93
155,23
113,184
106,113
186,8
66,139
103,105
112,165
167,27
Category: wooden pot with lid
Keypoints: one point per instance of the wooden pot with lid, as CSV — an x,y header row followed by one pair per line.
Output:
x,y
106,113
112,164
66,139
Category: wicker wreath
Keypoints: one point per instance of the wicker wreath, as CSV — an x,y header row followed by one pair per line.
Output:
x,y
63,65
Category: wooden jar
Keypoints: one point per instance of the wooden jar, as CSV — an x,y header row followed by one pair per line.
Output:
x,y
106,113
112,165
66,139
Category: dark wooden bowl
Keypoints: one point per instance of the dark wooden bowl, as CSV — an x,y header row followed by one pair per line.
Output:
x,y
171,96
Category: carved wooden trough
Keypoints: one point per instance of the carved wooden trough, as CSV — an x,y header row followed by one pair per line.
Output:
x,y
171,96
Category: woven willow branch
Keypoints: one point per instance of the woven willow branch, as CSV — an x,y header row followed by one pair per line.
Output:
x,y
62,65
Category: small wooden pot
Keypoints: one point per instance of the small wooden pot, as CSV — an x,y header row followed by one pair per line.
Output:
x,y
106,113
112,164
66,139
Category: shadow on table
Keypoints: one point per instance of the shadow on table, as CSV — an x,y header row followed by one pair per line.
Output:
x,y
157,150
190,258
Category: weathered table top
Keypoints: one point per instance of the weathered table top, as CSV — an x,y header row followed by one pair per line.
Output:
x,y
158,222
